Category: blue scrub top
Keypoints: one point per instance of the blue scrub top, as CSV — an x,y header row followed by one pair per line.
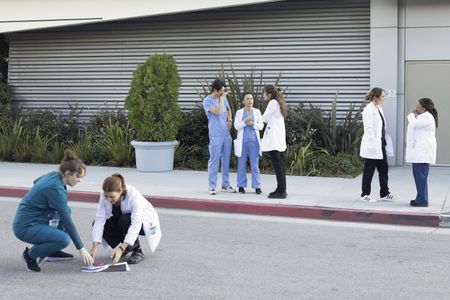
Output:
x,y
217,125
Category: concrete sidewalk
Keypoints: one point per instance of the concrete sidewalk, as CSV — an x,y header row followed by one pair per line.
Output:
x,y
309,197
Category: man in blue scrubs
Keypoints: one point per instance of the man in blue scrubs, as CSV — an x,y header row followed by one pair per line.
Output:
x,y
219,114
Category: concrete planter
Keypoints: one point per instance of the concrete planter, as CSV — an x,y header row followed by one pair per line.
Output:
x,y
154,156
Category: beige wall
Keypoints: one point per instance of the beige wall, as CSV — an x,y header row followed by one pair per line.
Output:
x,y
431,79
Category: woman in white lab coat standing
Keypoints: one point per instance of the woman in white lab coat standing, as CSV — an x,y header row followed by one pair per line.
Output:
x,y
274,139
373,146
122,215
421,146
248,122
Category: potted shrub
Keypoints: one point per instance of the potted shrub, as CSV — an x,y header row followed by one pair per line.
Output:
x,y
154,113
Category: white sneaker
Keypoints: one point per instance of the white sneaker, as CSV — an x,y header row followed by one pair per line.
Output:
x,y
212,191
390,197
228,189
367,198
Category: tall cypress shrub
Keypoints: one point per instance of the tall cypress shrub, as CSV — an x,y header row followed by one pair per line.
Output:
x,y
152,100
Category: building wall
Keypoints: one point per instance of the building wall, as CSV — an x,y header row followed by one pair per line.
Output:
x,y
425,32
403,31
384,60
320,47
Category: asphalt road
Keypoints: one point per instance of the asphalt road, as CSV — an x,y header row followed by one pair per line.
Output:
x,y
226,256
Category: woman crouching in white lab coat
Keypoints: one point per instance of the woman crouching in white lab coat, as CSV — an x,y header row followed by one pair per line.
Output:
x,y
122,215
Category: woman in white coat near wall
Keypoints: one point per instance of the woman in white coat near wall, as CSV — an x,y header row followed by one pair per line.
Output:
x,y
122,215
274,139
373,146
248,122
421,146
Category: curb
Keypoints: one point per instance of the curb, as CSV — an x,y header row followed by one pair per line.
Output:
x,y
281,210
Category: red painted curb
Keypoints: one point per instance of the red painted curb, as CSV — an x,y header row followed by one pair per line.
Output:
x,y
297,211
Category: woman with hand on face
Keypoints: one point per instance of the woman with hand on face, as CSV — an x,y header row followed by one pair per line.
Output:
x,y
248,122
122,215
218,112
43,216
421,146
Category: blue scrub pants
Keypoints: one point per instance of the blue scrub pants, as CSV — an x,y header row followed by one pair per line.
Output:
x,y
45,239
250,149
219,151
420,172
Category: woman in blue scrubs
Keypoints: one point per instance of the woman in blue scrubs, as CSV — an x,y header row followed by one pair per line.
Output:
x,y
248,122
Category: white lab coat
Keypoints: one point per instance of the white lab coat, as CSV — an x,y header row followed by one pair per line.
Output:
x,y
239,124
275,133
420,139
373,127
142,214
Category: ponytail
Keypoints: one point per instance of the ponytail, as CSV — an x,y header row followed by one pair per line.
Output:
x,y
376,92
114,183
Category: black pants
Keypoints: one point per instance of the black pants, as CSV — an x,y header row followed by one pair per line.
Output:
x,y
280,171
369,169
116,229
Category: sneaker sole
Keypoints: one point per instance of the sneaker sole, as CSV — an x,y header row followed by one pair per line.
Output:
x,y
53,259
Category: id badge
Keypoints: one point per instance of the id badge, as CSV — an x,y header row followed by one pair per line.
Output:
x,y
53,223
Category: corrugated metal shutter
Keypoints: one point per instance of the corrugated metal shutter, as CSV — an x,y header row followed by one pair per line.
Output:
x,y
319,47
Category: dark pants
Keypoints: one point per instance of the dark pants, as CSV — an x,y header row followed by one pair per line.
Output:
x,y
420,172
116,229
280,172
369,169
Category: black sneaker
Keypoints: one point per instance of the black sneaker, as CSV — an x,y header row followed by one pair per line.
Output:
x,y
277,195
258,191
58,256
136,257
29,262
241,190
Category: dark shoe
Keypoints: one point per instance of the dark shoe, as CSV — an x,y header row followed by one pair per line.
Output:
x,y
125,253
258,191
136,257
58,256
277,195
29,262
241,190
418,204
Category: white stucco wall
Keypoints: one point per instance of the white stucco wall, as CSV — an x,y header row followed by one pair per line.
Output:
x,y
427,33
384,60
54,13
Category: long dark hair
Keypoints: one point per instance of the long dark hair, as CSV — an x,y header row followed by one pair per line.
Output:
x,y
376,92
428,105
275,93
